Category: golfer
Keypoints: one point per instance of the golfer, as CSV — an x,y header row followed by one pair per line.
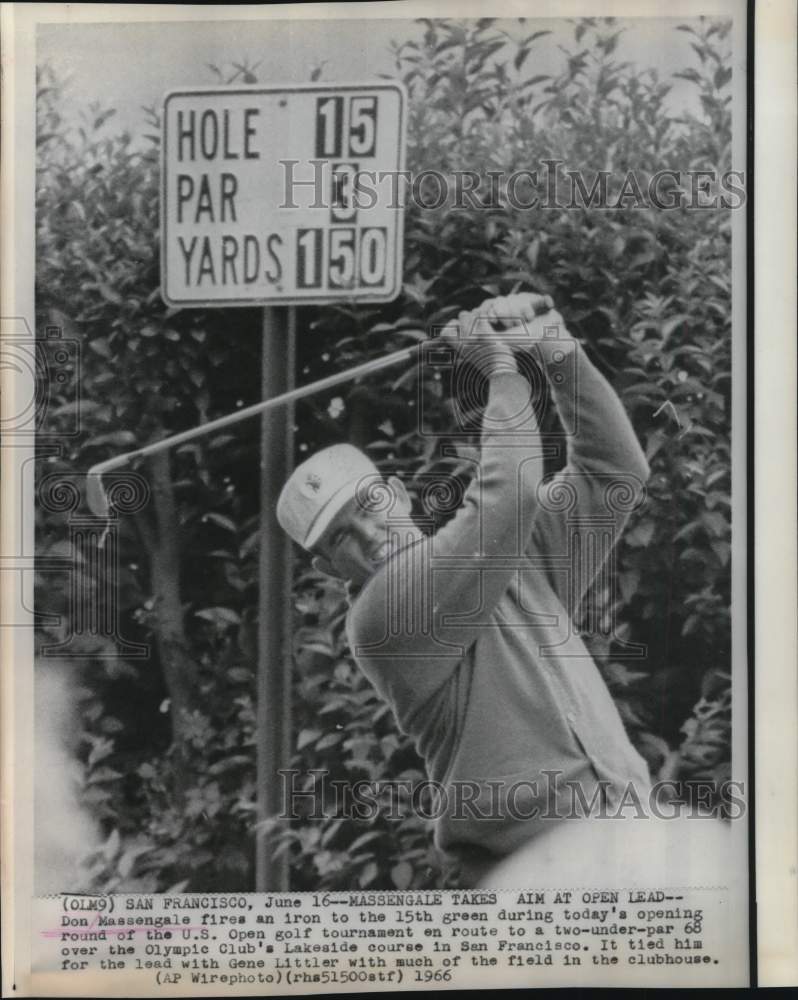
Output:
x,y
468,633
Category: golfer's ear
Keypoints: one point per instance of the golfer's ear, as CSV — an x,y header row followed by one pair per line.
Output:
x,y
322,565
400,492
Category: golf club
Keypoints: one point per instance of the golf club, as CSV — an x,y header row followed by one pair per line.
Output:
x,y
95,492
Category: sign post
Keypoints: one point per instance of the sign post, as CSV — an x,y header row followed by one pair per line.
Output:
x,y
278,197
273,710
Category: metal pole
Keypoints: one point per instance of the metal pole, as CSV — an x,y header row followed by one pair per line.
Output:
x,y
273,714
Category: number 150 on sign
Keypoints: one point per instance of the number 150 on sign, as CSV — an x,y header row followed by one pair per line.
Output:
x,y
341,257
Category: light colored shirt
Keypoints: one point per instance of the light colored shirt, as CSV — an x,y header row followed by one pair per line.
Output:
x,y
469,635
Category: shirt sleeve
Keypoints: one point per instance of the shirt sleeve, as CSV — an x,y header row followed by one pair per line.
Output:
x,y
583,509
411,624
454,580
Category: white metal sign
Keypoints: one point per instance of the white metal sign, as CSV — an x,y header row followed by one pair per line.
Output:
x,y
282,195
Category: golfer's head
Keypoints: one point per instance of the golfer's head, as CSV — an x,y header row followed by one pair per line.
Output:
x,y
334,505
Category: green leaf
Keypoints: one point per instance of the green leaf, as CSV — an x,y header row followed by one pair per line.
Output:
x,y
103,774
402,875
219,616
129,857
109,294
363,839
641,534
368,875
101,749
101,119
221,520
306,737
722,76
111,846
671,324
101,347
118,438
330,740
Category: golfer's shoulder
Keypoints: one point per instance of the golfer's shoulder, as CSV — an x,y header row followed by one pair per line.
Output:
x,y
365,619
394,592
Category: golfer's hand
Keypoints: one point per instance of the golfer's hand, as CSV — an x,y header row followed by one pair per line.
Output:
x,y
479,343
511,311
532,324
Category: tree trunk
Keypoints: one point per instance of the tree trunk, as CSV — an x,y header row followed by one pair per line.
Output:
x,y
164,551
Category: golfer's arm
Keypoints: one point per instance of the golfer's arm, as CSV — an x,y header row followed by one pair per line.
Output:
x,y
603,476
492,527
604,440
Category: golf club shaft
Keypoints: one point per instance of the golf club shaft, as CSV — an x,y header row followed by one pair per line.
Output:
x,y
300,392
96,495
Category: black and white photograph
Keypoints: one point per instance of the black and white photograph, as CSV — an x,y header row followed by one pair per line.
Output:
x,y
390,466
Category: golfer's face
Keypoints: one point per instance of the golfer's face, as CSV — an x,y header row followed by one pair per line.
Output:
x,y
357,541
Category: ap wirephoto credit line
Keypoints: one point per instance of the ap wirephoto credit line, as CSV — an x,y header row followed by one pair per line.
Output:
x,y
383,549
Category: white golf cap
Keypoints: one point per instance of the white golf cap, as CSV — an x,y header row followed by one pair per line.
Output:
x,y
319,488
